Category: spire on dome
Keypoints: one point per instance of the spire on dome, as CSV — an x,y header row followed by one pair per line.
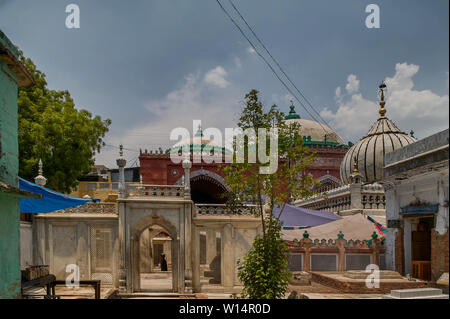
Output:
x,y
292,113
355,165
199,131
382,110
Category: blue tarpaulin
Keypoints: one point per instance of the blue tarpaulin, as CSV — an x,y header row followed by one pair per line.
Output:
x,y
298,217
50,201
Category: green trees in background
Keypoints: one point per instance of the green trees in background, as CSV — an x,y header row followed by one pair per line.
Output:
x,y
51,128
263,271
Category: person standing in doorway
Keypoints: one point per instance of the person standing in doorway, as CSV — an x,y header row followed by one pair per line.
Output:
x,y
163,262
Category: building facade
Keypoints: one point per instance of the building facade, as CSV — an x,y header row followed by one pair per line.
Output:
x,y
417,186
12,76
207,180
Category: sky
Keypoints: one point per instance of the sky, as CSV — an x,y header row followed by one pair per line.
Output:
x,y
153,65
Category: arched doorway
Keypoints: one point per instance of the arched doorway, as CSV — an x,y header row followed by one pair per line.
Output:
x,y
206,190
155,260
147,230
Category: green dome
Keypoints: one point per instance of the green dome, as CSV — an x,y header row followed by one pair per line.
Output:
x,y
292,114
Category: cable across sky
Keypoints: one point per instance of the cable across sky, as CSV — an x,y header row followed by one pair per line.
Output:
x,y
270,66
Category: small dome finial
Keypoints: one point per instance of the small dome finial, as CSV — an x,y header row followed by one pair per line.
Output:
x,y
355,165
292,113
382,110
199,131
40,179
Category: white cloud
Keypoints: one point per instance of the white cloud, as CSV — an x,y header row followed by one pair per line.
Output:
x,y
422,111
251,50
282,100
216,77
352,84
193,100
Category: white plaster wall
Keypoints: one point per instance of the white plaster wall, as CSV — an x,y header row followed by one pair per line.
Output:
x,y
64,248
26,245
243,240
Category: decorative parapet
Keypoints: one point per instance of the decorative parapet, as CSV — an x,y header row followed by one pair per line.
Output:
x,y
340,246
340,198
221,209
334,244
372,196
90,208
141,190
336,199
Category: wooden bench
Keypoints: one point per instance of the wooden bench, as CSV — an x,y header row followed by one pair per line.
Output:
x,y
46,281
94,283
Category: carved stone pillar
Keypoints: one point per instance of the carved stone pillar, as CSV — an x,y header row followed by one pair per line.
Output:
x,y
211,248
306,243
195,255
121,162
187,180
227,256
341,243
122,249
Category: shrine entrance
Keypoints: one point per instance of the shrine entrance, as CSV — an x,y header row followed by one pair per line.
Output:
x,y
421,248
154,220
156,255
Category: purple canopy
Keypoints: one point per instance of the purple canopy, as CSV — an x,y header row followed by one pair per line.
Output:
x,y
294,216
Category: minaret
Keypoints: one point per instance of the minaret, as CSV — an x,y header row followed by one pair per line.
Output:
x,y
40,179
121,162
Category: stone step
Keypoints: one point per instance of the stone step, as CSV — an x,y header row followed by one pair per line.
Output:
x,y
417,292
427,297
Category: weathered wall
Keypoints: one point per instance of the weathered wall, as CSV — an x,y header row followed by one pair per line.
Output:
x,y
415,176
9,166
243,241
9,159
439,254
9,248
26,244
90,242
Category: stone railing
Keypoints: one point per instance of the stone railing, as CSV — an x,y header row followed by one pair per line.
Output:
x,y
334,200
220,210
91,208
372,196
142,190
343,198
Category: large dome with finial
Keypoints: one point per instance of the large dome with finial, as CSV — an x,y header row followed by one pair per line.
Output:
x,y
198,144
313,131
383,137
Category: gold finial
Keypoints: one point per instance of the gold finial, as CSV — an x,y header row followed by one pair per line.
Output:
x,y
355,165
382,110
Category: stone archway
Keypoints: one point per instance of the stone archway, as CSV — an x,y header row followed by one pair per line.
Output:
x,y
138,229
207,187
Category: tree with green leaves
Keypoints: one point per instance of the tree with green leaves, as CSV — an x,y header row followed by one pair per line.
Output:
x,y
263,272
52,129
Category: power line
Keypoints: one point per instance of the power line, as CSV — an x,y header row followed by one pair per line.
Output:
x,y
268,64
127,149
276,62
